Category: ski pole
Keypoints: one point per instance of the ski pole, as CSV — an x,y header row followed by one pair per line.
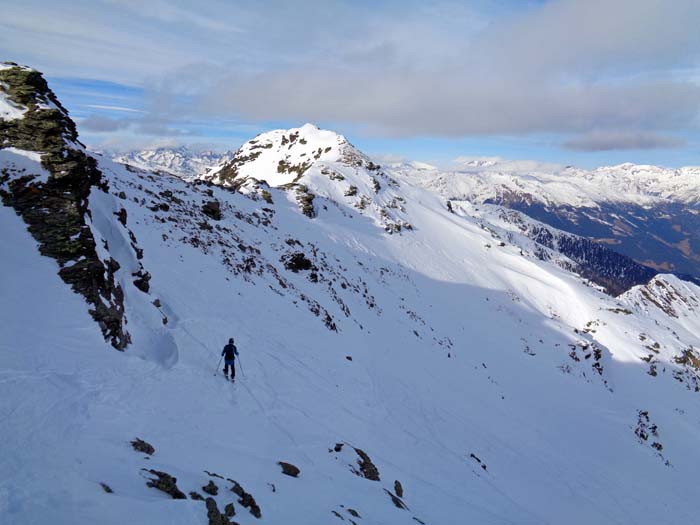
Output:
x,y
218,364
240,364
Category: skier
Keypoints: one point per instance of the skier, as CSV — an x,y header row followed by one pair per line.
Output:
x,y
229,353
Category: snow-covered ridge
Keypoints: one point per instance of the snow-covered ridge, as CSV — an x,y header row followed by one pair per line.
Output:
x,y
492,179
669,295
183,162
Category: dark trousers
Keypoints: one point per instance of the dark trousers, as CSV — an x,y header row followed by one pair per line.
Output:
x,y
233,369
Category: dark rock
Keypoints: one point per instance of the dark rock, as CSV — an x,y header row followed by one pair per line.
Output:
x,y
367,469
478,460
211,488
338,447
297,262
215,517
398,488
121,216
142,446
353,513
165,483
106,488
142,280
289,469
245,499
306,202
212,209
396,500
348,357
196,496
229,510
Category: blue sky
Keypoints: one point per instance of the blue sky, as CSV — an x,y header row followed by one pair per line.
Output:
x,y
583,82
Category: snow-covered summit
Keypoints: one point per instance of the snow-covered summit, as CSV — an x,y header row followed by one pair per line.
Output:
x,y
282,156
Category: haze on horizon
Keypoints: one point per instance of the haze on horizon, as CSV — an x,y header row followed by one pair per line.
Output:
x,y
568,81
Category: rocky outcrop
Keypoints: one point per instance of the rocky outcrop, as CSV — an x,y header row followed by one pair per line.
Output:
x,y
214,515
367,468
140,445
398,502
211,488
165,483
56,210
289,469
245,499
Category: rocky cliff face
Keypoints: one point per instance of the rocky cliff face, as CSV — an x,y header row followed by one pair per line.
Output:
x,y
54,205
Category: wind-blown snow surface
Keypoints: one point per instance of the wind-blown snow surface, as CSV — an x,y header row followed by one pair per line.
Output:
x,y
461,349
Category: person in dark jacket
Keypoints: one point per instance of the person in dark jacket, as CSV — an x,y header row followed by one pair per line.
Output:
x,y
230,352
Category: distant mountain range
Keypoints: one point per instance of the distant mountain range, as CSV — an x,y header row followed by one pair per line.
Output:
x,y
648,213
182,161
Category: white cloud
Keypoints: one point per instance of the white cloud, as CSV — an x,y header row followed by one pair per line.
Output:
x,y
394,68
621,140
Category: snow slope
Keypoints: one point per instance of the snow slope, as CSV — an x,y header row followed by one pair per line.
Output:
x,y
373,325
495,335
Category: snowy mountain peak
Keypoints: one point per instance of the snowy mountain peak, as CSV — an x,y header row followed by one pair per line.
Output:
x,y
181,161
311,163
281,156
